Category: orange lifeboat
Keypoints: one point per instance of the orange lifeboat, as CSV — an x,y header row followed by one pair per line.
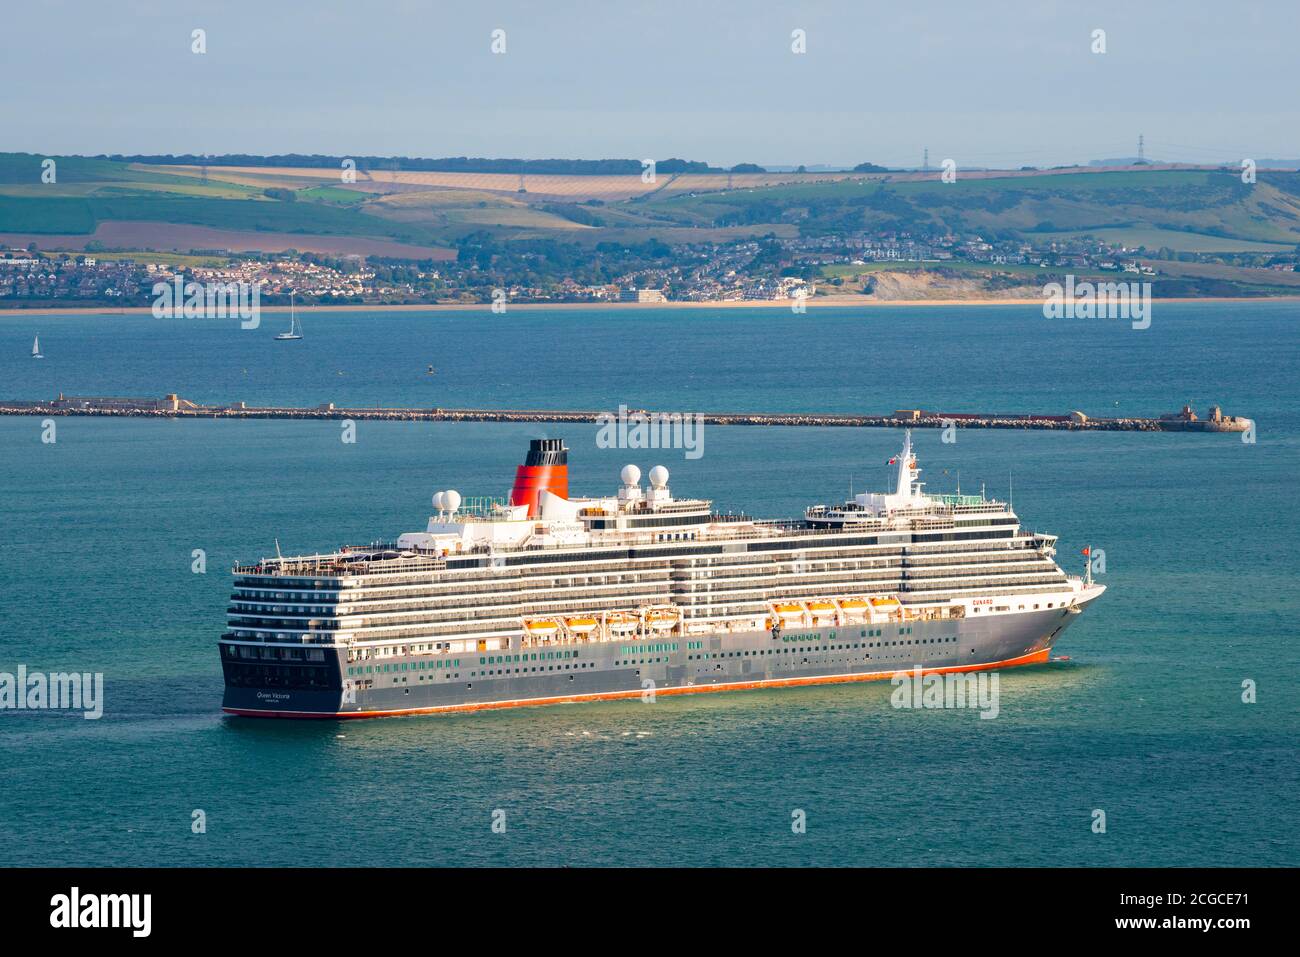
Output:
x,y
581,625
821,609
789,612
662,620
540,627
882,609
621,623
853,607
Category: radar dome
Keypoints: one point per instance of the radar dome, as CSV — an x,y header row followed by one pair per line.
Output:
x,y
631,474
451,499
659,476
440,500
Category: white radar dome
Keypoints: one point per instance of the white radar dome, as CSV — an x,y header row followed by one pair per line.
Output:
x,y
631,474
451,499
659,476
440,500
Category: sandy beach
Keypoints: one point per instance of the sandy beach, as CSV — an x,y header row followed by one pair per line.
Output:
x,y
820,302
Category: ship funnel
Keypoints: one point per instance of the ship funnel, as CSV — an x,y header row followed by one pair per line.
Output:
x,y
545,470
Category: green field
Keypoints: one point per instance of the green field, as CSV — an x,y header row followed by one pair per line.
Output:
x,y
333,194
1185,210
88,192
1179,241
170,259
1179,201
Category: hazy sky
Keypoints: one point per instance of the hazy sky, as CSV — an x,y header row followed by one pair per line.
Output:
x,y
716,81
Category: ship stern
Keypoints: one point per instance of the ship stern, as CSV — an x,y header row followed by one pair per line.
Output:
x,y
265,680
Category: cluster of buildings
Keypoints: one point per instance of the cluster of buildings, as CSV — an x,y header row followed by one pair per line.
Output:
x,y
25,275
311,280
94,279
771,269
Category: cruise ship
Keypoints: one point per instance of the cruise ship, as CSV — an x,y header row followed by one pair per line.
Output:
x,y
542,597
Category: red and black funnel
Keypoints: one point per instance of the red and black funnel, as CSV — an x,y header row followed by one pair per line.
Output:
x,y
545,470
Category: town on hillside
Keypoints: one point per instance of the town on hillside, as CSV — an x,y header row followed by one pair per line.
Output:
x,y
547,271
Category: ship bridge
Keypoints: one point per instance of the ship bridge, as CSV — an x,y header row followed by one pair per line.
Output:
x,y
907,505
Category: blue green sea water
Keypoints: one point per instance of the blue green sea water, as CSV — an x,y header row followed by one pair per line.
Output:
x,y
1145,721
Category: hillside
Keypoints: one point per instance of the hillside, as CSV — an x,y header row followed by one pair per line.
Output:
x,y
114,204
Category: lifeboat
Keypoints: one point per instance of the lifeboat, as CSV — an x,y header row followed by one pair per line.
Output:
x,y
789,612
540,627
853,607
582,625
662,620
883,609
621,623
821,609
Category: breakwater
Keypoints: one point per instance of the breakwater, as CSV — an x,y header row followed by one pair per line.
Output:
x,y
172,406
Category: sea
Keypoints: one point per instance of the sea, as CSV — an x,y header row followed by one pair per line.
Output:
x,y
1165,734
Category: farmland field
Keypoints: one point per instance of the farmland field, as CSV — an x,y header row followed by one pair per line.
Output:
x,y
1186,209
180,237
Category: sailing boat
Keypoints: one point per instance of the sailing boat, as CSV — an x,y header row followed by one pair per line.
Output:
x,y
36,348
295,330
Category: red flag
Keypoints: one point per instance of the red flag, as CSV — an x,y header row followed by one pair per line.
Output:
x,y
892,461
1087,550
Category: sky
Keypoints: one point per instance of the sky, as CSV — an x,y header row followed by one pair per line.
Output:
x,y
986,84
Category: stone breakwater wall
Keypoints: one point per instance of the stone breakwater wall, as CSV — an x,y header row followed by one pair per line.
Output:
x,y
559,416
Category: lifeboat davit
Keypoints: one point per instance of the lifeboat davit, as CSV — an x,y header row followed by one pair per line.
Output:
x,y
540,627
581,626
621,623
662,620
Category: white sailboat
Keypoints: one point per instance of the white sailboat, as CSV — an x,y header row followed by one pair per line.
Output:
x,y
36,348
295,329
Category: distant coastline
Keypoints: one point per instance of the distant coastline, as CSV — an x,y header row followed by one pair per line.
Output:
x,y
820,302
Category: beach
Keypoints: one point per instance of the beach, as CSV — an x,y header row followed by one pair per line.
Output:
x,y
819,302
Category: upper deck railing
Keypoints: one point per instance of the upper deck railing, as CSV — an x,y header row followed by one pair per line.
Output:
x,y
963,500
387,558
372,560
